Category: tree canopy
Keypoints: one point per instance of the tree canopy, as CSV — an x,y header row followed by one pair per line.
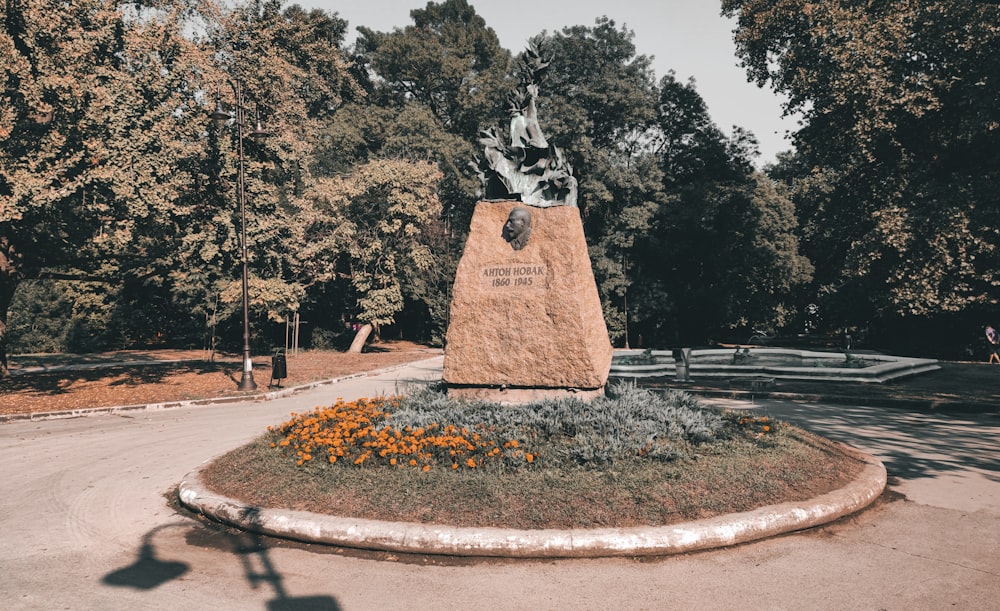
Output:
x,y
358,203
897,158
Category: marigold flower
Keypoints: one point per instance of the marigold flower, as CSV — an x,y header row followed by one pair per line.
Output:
x,y
426,468
529,457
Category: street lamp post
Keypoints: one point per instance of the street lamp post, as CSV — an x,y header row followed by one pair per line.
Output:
x,y
220,116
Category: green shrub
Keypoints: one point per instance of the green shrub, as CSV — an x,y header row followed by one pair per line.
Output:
x,y
629,423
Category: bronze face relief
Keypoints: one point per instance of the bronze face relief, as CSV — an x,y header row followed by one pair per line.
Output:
x,y
517,229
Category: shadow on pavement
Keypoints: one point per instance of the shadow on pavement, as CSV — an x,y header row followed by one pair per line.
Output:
x,y
149,572
141,374
258,568
911,444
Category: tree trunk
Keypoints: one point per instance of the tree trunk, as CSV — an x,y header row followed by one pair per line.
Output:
x,y
9,279
6,296
359,340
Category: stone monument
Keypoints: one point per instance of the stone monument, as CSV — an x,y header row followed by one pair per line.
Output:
x,y
526,320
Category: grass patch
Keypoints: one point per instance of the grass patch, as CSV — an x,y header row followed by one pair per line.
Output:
x,y
634,458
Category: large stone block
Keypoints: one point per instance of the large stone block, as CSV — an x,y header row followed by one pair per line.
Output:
x,y
526,321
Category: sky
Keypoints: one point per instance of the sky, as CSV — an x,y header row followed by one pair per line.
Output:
x,y
686,36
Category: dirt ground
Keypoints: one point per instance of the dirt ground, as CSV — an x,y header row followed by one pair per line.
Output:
x,y
58,382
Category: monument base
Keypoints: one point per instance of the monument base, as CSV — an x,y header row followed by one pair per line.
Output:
x,y
515,396
526,319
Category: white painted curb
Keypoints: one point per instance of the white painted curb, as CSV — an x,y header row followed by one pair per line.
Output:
x,y
408,537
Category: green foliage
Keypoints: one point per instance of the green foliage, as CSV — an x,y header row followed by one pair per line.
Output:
x,y
630,422
685,238
94,122
597,104
357,204
448,61
152,195
60,316
373,228
897,157
39,318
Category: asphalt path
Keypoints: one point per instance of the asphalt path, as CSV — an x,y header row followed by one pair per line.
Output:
x,y
86,523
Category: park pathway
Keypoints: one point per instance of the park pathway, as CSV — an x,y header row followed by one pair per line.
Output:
x,y
85,524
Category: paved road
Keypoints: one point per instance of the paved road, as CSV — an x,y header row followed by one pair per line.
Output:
x,y
85,524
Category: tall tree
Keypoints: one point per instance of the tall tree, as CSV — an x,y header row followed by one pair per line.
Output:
x,y
597,103
899,151
448,61
293,76
727,235
430,87
95,93
107,167
373,230
435,84
685,239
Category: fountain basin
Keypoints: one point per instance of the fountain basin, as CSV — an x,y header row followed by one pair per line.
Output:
x,y
776,363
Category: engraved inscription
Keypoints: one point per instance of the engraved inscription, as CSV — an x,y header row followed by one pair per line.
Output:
x,y
513,277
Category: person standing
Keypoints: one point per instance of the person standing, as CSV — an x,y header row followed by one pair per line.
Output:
x,y
994,344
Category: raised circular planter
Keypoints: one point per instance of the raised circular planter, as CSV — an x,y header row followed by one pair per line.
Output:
x,y
720,531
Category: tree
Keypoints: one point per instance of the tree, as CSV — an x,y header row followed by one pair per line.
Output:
x,y
727,235
373,229
435,84
107,169
597,104
293,76
95,95
448,61
430,87
897,158
685,238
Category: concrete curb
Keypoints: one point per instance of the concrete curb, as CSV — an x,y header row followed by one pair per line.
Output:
x,y
266,396
721,531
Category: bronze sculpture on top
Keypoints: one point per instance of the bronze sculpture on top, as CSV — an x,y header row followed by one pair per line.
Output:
x,y
529,169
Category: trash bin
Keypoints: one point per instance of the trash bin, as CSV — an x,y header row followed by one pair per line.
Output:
x,y
279,368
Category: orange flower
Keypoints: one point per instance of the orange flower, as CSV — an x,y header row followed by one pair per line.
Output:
x,y
529,457
426,468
